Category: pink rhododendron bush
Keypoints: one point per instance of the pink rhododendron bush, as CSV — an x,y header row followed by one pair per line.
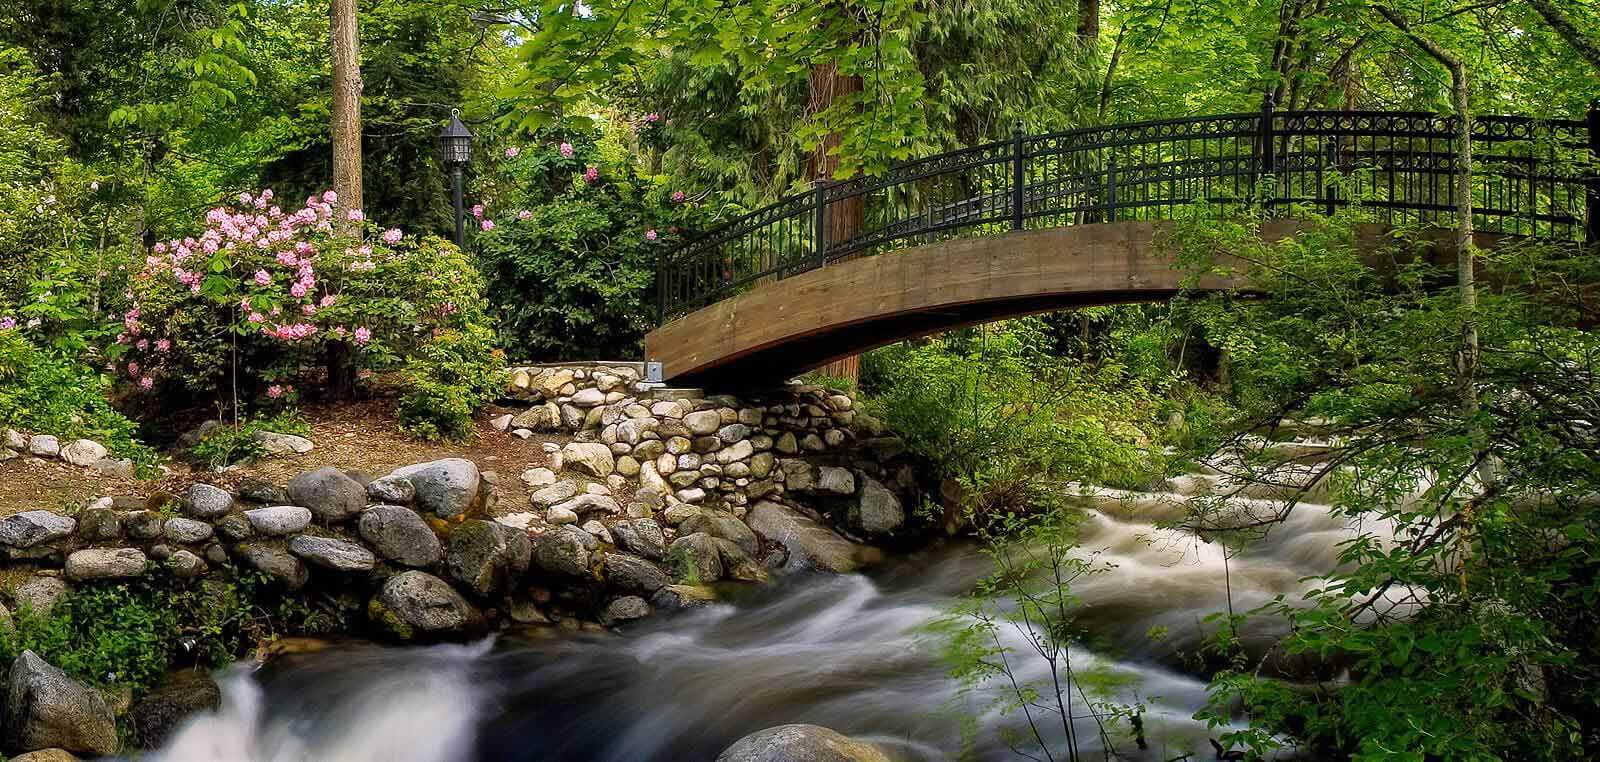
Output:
x,y
263,305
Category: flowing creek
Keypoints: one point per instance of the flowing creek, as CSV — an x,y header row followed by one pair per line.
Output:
x,y
850,653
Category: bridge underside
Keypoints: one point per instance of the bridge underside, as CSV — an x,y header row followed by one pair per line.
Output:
x,y
782,328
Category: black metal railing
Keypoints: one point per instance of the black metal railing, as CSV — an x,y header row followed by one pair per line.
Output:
x,y
1530,178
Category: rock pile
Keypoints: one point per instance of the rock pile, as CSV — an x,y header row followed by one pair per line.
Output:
x,y
85,453
799,445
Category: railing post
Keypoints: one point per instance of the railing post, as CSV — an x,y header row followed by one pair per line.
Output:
x,y
1591,228
1111,187
1018,178
661,290
821,239
1330,173
1266,154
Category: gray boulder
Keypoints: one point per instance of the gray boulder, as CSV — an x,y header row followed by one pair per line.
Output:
x,y
448,488
330,494
181,695
641,536
30,528
416,604
329,553
143,525
113,468
400,535
281,445
810,543
187,531
703,423
278,520
563,550
680,597
559,492
588,503
39,594
487,557
83,452
44,709
204,501
624,609
235,527
44,446
100,525
738,565
591,458
278,564
632,574
105,563
695,559
186,565
257,490
803,478
726,526
391,489
800,743
877,509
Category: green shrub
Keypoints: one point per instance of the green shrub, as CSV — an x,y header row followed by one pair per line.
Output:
x,y
1007,422
49,395
229,444
131,633
449,378
571,261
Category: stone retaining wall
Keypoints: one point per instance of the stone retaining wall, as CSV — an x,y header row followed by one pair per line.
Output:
x,y
649,502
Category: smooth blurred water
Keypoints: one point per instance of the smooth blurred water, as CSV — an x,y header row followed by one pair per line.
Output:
x,y
847,652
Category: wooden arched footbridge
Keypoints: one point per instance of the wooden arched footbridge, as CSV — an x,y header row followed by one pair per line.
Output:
x,y
1076,218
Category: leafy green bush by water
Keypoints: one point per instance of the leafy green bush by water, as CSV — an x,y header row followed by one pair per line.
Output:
x,y
1006,423
1464,610
131,633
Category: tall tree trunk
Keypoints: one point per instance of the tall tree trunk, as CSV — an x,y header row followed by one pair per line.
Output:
x,y
1570,32
1466,257
1089,23
1467,355
346,126
844,218
346,132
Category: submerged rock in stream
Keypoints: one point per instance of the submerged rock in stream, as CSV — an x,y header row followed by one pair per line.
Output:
x,y
800,743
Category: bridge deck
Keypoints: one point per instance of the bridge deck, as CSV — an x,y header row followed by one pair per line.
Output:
x,y
781,328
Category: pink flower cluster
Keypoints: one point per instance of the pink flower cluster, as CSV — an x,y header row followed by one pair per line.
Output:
x,y
284,240
291,331
592,174
566,150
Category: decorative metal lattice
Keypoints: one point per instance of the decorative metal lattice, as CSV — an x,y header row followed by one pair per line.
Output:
x,y
1530,178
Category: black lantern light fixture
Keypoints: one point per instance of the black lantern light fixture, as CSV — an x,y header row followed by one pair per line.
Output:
x,y
456,144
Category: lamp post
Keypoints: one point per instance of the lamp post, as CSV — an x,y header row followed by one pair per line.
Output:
x,y
456,145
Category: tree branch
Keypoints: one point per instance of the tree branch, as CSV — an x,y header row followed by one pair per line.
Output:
x,y
1568,31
